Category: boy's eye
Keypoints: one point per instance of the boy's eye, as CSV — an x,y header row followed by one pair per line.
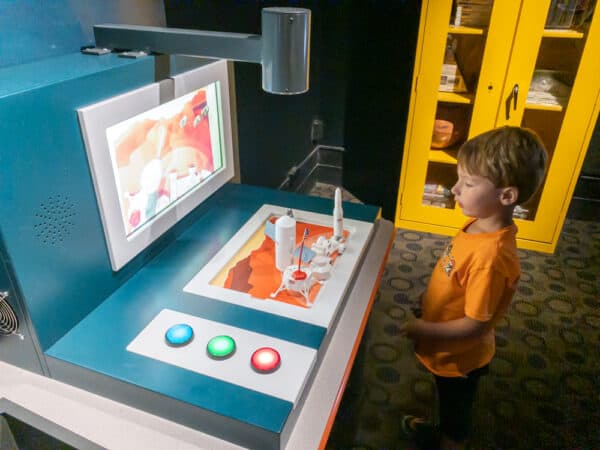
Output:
x,y
468,185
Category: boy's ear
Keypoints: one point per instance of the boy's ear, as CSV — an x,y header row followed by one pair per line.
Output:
x,y
509,195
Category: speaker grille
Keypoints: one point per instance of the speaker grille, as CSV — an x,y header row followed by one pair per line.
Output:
x,y
54,220
9,323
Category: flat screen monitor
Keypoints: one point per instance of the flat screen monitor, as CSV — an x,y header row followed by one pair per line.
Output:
x,y
152,162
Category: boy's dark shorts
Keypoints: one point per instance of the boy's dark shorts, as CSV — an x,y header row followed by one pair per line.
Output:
x,y
456,397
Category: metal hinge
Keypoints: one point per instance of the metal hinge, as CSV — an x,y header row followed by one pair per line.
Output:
x,y
97,51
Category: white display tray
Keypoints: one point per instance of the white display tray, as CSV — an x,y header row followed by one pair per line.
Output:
x,y
331,293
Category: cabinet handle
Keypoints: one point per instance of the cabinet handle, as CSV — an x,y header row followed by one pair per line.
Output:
x,y
514,97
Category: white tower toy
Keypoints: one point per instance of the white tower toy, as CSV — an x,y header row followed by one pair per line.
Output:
x,y
338,216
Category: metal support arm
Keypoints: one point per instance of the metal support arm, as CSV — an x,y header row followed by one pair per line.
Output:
x,y
234,46
283,50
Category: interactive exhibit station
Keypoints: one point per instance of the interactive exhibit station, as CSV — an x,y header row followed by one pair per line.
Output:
x,y
133,268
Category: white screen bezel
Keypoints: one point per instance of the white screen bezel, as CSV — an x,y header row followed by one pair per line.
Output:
x,y
94,119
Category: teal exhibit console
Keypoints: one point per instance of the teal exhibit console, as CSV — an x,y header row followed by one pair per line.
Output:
x,y
117,201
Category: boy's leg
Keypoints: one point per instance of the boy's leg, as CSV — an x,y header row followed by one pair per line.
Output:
x,y
456,397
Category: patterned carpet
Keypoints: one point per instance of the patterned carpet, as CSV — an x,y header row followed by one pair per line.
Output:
x,y
543,389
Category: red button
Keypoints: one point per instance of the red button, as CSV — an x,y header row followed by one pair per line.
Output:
x,y
265,359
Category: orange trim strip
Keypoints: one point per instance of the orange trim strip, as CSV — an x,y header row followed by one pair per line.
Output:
x,y
338,399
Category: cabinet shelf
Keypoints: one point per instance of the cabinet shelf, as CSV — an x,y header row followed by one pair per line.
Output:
x,y
444,156
454,97
465,30
539,107
566,34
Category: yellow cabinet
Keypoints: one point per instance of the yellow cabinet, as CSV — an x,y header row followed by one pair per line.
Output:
x,y
483,64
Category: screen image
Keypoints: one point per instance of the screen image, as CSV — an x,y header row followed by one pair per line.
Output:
x,y
157,152
164,153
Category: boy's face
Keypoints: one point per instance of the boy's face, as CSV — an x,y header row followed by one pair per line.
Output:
x,y
476,195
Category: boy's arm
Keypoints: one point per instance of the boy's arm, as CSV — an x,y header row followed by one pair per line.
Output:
x,y
488,294
466,327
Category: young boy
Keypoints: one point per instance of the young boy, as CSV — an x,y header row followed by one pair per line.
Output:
x,y
474,280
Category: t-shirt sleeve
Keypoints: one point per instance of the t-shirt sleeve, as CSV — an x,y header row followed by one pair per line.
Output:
x,y
487,291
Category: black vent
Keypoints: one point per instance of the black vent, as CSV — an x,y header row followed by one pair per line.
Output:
x,y
9,323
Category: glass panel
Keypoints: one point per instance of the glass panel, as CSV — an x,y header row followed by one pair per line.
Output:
x,y
465,45
555,70
547,125
439,180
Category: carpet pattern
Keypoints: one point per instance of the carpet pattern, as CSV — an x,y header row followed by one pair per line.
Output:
x,y
543,389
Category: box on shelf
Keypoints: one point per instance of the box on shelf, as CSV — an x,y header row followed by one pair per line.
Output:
x,y
472,13
452,79
437,195
549,87
450,125
568,14
521,213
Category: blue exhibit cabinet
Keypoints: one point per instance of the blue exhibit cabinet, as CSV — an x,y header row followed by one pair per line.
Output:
x,y
76,315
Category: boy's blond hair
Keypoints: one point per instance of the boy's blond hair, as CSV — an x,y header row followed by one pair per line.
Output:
x,y
507,156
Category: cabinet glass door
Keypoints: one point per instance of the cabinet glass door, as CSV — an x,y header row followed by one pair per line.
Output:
x,y
546,91
459,80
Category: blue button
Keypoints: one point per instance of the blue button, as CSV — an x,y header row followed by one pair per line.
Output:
x,y
179,335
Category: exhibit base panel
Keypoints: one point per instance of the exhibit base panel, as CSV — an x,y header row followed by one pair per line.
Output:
x,y
169,408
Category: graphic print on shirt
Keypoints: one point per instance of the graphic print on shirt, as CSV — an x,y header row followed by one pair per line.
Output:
x,y
448,260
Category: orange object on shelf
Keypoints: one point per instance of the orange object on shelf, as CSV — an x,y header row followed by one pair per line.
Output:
x,y
449,126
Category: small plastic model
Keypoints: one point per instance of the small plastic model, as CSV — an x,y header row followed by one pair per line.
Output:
x,y
297,279
300,279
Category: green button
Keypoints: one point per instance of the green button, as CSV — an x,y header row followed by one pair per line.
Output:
x,y
220,347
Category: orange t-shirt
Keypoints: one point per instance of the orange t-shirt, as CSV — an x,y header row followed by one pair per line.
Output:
x,y
475,277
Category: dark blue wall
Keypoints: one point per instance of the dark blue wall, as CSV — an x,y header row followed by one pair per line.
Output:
x,y
381,49
273,131
362,54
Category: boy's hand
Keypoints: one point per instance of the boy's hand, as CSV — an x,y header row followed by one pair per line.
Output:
x,y
417,310
408,328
